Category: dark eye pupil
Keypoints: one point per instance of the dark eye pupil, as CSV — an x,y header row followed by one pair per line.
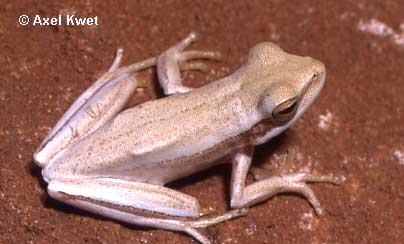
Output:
x,y
288,109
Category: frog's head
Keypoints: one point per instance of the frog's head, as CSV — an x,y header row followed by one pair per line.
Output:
x,y
288,84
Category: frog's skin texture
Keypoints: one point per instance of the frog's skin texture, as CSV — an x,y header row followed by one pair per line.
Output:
x,y
115,163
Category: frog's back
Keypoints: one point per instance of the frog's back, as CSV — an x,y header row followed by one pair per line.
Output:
x,y
139,140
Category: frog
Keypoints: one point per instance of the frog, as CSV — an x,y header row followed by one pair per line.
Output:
x,y
117,162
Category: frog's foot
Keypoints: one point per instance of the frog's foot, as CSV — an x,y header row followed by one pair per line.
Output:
x,y
245,196
296,183
172,61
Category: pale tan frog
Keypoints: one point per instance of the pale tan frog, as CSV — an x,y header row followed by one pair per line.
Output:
x,y
116,163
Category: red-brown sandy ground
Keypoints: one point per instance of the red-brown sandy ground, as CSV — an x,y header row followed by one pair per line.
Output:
x,y
355,128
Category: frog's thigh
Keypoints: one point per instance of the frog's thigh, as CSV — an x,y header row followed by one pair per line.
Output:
x,y
126,194
90,195
103,100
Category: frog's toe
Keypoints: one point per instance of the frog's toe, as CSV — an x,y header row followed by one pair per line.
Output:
x,y
298,183
195,54
199,66
305,177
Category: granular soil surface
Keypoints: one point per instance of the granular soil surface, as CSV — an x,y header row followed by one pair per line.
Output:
x,y
354,129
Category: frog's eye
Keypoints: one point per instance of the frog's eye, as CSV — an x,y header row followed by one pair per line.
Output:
x,y
285,111
314,77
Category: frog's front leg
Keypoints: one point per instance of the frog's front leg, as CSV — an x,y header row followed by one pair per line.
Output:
x,y
119,200
244,196
173,60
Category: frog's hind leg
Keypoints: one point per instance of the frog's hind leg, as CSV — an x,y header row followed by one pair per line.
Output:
x,y
172,61
93,108
123,200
